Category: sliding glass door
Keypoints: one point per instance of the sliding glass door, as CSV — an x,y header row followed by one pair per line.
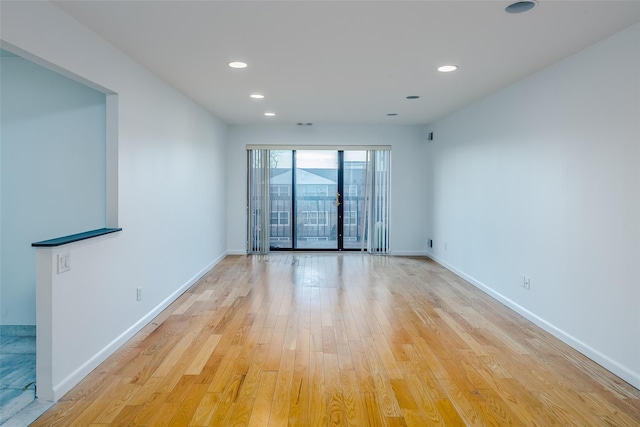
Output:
x,y
317,199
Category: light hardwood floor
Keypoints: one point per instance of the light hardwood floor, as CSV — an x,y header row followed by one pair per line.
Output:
x,y
323,339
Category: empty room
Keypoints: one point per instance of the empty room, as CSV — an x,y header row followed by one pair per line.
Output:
x,y
310,213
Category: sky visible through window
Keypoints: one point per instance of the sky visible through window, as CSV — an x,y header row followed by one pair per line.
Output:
x,y
314,159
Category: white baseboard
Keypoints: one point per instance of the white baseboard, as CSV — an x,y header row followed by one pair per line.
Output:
x,y
408,253
76,376
612,365
236,252
392,253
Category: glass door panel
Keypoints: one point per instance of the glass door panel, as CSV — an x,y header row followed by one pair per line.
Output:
x,y
280,197
354,219
316,199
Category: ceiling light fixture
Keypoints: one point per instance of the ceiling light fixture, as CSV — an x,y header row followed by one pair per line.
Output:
x,y
269,114
256,96
237,64
392,114
520,6
413,97
447,68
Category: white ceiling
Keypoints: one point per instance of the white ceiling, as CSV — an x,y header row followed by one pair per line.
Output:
x,y
346,62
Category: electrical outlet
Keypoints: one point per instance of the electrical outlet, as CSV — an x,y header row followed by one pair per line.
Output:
x,y
64,262
526,282
139,294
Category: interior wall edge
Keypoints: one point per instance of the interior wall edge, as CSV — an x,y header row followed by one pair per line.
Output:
x,y
66,384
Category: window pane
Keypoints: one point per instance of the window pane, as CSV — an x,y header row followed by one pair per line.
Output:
x,y
355,229
280,162
316,185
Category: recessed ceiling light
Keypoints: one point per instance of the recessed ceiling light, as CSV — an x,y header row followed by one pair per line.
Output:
x,y
256,96
392,114
237,64
413,97
269,114
447,68
520,6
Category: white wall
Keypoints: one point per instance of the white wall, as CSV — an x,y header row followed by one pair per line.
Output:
x,y
53,172
543,179
171,171
408,201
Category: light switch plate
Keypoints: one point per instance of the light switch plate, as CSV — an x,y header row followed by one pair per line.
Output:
x,y
64,262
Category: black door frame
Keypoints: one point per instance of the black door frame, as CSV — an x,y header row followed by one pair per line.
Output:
x,y
340,200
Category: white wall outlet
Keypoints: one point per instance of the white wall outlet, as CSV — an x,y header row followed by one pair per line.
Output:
x,y
527,283
64,262
139,294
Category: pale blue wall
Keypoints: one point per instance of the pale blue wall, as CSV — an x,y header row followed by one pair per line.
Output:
x,y
53,172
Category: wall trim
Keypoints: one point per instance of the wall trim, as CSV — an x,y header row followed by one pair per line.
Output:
x,y
603,360
76,376
236,252
409,253
394,253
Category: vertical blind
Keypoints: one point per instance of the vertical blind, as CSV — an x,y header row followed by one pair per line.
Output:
x,y
377,188
258,206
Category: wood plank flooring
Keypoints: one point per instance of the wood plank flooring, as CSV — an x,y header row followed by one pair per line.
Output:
x,y
345,339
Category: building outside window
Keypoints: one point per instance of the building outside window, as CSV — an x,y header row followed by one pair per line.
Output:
x,y
315,218
279,190
279,218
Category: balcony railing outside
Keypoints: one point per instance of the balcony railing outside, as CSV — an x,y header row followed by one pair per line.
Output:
x,y
316,222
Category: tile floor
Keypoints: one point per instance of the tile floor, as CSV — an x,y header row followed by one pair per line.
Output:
x,y
17,369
